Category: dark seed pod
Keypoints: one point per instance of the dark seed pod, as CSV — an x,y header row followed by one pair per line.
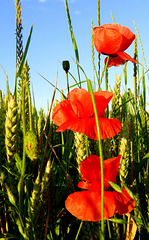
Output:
x,y
66,66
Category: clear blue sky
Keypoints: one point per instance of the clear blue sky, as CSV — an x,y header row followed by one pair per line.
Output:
x,y
51,41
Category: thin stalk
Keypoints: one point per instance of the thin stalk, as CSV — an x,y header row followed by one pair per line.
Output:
x,y
93,57
101,158
106,78
21,182
86,143
73,39
79,230
131,147
30,108
67,82
109,230
63,148
99,26
104,71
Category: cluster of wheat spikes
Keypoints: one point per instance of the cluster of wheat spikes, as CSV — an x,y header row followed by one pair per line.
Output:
x,y
39,167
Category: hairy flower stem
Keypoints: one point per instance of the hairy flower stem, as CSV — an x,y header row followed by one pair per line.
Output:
x,y
101,159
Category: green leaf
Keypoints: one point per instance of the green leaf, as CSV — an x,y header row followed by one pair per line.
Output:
x,y
25,53
129,192
137,220
146,156
81,69
9,236
11,197
18,222
71,32
115,187
121,221
18,162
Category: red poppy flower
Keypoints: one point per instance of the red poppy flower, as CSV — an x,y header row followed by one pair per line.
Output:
x,y
115,61
113,40
86,205
77,114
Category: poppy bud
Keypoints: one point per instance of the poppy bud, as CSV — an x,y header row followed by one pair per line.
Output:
x,y
66,66
31,145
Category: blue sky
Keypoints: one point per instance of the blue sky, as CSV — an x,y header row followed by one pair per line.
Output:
x,y
51,42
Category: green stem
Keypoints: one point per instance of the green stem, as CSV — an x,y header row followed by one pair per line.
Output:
x,y
21,182
79,230
101,158
67,82
63,148
30,108
109,230
86,143
98,26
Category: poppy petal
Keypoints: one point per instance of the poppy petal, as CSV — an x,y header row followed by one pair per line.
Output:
x,y
127,35
102,98
62,113
107,40
86,205
115,61
123,202
125,56
85,185
109,127
87,126
91,172
111,167
81,102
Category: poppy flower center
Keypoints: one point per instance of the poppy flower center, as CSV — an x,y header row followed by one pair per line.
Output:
x,y
89,116
110,55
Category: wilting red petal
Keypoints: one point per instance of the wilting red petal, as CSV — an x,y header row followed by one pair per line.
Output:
x,y
112,38
91,172
86,205
115,61
123,202
126,57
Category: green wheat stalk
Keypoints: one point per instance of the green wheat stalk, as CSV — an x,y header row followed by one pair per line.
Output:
x,y
112,16
140,43
98,16
93,55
